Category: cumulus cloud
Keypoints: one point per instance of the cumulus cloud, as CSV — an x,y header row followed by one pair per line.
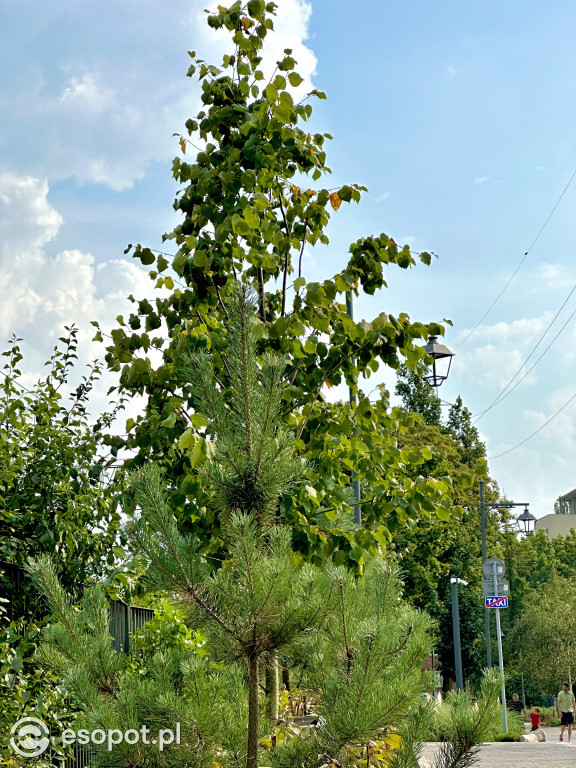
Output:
x,y
40,294
103,113
501,349
556,275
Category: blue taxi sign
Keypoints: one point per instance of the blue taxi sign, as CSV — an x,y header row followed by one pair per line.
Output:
x,y
496,602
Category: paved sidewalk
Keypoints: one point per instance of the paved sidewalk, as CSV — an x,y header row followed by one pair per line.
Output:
x,y
550,754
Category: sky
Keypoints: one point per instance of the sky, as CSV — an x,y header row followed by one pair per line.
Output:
x,y
458,117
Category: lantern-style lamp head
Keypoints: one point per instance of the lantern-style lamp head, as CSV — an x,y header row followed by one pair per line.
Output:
x,y
526,521
441,362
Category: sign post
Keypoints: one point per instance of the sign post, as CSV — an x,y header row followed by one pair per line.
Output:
x,y
496,570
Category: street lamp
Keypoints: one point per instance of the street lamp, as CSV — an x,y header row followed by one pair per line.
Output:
x,y
526,522
439,371
456,631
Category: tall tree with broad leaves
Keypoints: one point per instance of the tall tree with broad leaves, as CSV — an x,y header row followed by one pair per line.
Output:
x,y
252,207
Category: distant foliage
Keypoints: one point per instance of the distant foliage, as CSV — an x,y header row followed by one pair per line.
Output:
x,y
55,498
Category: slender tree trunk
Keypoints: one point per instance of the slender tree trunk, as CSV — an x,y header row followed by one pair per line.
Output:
x,y
272,685
286,677
253,712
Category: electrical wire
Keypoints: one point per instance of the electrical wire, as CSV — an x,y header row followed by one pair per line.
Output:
x,y
522,260
529,369
558,412
506,391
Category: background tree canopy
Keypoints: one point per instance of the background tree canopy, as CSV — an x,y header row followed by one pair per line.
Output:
x,y
54,498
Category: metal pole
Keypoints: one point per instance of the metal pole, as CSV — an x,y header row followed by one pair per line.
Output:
x,y
522,687
127,611
352,398
500,659
486,610
456,633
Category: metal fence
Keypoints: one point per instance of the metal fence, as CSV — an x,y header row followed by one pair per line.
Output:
x,y
124,621
12,578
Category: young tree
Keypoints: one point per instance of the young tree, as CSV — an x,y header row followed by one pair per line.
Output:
x,y
158,688
252,207
366,653
464,723
260,599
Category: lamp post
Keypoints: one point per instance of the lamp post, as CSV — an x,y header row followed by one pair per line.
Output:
x,y
439,371
456,631
484,508
352,399
526,522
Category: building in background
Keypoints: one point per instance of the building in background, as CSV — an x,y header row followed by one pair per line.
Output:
x,y
564,518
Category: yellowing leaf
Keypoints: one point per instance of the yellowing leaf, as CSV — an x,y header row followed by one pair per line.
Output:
x,y
222,9
311,192
246,23
335,201
296,190
183,146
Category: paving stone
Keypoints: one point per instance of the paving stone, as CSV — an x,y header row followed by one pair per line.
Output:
x,y
549,754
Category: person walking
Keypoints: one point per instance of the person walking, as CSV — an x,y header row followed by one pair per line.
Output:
x,y
517,705
566,708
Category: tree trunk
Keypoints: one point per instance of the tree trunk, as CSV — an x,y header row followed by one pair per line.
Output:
x,y
272,685
253,712
286,677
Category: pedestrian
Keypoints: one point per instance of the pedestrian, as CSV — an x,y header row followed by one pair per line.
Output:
x,y
517,705
566,708
535,718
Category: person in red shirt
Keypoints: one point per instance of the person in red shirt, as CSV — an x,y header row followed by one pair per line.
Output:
x,y
535,718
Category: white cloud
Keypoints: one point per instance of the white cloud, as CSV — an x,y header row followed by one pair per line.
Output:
x,y
381,197
40,294
481,180
104,114
555,275
451,71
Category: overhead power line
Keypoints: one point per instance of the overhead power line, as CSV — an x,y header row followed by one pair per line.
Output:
x,y
522,260
506,391
558,412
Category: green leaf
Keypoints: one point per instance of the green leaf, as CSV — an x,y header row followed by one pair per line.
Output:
x,y
295,79
169,421
200,259
198,420
187,439
240,226
146,256
252,218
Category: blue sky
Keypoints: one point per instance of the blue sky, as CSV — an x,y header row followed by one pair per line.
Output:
x,y
458,117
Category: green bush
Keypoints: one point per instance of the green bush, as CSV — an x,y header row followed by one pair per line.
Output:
x,y
515,728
